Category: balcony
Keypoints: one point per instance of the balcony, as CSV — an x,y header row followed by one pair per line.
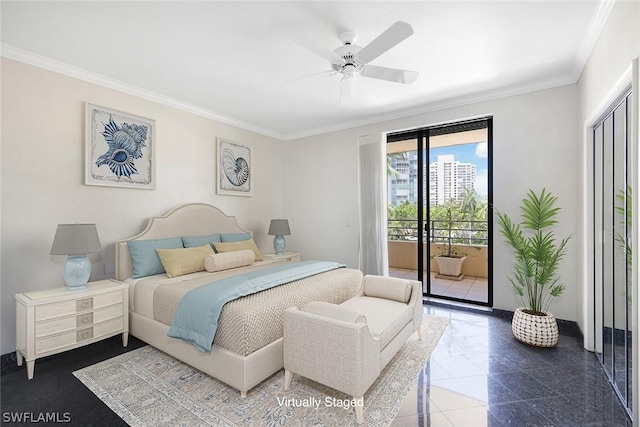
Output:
x,y
468,238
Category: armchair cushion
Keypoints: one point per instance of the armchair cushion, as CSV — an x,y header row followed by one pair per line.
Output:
x,y
385,318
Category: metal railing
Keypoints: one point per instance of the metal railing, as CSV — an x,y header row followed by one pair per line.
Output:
x,y
462,232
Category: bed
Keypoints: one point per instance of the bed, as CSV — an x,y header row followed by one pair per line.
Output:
x,y
248,344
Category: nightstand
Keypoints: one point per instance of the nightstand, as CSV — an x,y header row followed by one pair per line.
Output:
x,y
56,320
289,256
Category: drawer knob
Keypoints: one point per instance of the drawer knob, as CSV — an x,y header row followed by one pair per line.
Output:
x,y
85,334
85,304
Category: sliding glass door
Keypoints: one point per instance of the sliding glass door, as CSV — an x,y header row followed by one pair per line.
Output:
x,y
439,209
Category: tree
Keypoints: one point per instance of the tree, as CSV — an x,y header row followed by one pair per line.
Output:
x,y
403,221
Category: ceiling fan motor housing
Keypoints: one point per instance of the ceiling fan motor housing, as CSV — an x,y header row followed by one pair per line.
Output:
x,y
348,52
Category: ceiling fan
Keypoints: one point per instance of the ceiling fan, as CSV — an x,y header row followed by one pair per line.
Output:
x,y
351,60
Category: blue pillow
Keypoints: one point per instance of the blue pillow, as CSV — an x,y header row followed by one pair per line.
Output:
x,y
145,258
235,237
195,242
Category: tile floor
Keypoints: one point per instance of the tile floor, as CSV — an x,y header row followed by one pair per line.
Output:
x,y
469,288
479,375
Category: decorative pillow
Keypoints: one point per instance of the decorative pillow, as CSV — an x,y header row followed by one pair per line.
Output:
x,y
195,241
225,261
388,288
144,257
234,237
238,246
178,262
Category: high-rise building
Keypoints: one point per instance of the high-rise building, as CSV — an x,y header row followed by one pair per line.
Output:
x,y
448,179
402,181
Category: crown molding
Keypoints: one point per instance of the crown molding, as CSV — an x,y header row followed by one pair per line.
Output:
x,y
424,108
591,36
445,104
26,57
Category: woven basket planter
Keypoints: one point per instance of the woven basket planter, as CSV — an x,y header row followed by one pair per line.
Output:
x,y
539,331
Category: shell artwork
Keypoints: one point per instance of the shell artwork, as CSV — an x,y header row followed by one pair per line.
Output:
x,y
235,169
125,145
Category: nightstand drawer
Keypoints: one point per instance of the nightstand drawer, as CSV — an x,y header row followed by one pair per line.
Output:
x,y
108,327
65,308
107,313
57,341
107,299
49,327
59,309
54,342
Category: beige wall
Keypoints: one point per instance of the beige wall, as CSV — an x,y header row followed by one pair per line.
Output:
x,y
42,177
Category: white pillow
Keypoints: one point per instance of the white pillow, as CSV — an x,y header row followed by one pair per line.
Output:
x,y
226,260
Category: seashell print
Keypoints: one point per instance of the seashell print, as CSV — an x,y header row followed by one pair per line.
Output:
x,y
235,169
125,145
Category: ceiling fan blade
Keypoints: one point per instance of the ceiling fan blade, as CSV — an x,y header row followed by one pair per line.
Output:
x,y
315,47
389,74
385,41
308,76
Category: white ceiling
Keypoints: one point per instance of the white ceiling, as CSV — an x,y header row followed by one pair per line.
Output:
x,y
234,60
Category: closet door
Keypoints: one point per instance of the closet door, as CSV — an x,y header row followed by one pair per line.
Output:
x,y
613,246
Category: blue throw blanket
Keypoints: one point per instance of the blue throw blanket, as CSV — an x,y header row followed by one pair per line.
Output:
x,y
196,319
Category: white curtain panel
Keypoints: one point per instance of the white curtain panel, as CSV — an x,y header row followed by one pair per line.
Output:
x,y
373,205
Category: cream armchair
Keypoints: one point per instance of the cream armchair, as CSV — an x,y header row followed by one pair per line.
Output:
x,y
346,346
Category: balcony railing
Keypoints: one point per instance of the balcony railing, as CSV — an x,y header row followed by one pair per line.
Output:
x,y
463,232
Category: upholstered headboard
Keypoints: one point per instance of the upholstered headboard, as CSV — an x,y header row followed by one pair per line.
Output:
x,y
195,219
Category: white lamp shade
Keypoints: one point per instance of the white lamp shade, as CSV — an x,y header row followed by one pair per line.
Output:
x,y
279,227
76,239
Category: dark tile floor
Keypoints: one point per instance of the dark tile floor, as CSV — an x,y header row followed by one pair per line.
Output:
x,y
479,375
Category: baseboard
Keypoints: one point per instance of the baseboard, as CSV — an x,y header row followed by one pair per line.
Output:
x,y
565,327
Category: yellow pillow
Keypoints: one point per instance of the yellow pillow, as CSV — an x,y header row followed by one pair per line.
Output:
x,y
239,246
177,262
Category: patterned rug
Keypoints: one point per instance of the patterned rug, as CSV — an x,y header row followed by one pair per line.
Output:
x,y
147,387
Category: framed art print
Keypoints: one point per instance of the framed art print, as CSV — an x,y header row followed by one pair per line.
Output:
x,y
120,149
234,173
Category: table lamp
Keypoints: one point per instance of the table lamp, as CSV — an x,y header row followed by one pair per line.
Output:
x,y
279,228
76,241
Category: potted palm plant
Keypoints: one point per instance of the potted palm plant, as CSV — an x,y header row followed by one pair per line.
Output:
x,y
449,262
537,257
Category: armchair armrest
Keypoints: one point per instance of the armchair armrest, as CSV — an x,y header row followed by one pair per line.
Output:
x,y
338,353
401,290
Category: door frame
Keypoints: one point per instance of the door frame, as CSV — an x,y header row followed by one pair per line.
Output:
x,y
421,135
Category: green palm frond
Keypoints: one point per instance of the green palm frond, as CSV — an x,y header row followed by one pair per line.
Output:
x,y
538,211
537,252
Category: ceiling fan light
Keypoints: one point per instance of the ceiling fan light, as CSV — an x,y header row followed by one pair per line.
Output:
x,y
348,89
348,71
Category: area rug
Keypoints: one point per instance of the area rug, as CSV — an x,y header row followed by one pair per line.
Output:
x,y
147,387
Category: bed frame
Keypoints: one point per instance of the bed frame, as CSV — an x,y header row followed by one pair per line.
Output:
x,y
240,372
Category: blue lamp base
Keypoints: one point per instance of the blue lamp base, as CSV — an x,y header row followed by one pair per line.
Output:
x,y
279,244
76,272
